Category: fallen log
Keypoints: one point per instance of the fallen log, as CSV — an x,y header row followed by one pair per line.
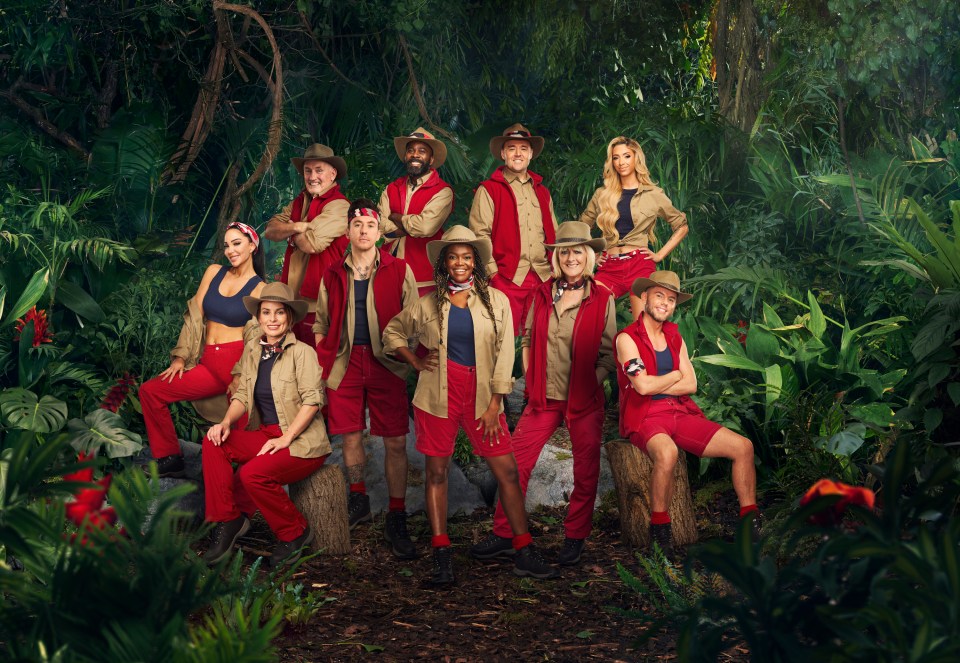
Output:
x,y
322,499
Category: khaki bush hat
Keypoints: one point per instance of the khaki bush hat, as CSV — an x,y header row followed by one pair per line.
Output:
x,y
516,132
422,135
277,292
575,233
460,235
318,152
664,279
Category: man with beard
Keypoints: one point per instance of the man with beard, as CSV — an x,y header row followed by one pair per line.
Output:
x,y
515,211
415,207
657,414
314,226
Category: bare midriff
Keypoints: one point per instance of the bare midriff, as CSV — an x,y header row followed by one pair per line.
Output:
x,y
217,333
617,250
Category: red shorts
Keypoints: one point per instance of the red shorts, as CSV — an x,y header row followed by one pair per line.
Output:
x,y
368,383
690,432
436,435
619,272
520,296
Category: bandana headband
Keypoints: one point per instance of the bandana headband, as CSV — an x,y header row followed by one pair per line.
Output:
x,y
366,211
248,231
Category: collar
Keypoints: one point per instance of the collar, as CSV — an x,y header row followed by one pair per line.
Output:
x,y
512,177
420,181
322,194
348,261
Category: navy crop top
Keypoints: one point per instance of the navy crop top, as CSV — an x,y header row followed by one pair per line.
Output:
x,y
460,344
664,366
625,220
228,311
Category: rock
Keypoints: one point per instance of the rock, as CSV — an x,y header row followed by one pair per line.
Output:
x,y
193,502
513,402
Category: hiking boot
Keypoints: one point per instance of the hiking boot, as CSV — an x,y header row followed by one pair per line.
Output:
x,y
662,535
358,508
170,467
570,552
493,546
225,536
442,567
395,532
529,562
756,526
288,552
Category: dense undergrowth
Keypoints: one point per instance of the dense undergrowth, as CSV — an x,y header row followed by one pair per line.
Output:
x,y
824,253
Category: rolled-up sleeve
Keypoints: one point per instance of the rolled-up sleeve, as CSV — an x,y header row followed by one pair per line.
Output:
x,y
308,376
388,226
668,212
502,382
433,215
322,322
401,329
327,226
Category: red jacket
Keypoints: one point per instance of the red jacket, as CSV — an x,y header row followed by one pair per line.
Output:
x,y
415,248
318,262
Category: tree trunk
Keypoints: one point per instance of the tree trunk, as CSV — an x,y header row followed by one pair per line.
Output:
x,y
322,498
631,470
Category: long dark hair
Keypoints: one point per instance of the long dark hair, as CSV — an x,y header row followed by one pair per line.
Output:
x,y
257,257
481,283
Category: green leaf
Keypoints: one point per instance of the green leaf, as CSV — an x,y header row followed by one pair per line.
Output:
x,y
103,429
732,361
30,296
774,387
876,414
585,634
770,317
844,443
372,648
762,346
818,323
954,390
77,300
23,409
932,419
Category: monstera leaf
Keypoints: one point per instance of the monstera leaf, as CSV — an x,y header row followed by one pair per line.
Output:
x,y
103,429
25,410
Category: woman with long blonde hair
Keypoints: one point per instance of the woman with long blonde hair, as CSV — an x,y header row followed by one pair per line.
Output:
x,y
626,209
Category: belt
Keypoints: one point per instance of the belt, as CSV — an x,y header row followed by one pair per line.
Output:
x,y
623,256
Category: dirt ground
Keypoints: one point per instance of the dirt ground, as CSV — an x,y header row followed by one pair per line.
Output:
x,y
383,609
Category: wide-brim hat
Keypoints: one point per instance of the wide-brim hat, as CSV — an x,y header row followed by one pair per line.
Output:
x,y
516,132
575,233
319,152
664,279
277,292
423,136
460,235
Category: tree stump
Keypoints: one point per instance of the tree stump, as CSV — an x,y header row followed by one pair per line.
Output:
x,y
631,470
322,499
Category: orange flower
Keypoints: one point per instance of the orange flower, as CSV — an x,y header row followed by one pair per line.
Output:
x,y
41,328
849,495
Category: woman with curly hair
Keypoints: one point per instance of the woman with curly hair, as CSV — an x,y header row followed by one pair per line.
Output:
x,y
626,209
465,328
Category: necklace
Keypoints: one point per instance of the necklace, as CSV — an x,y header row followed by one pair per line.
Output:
x,y
362,272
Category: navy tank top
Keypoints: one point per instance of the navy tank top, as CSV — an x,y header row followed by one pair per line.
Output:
x,y
361,326
460,344
625,220
664,366
228,311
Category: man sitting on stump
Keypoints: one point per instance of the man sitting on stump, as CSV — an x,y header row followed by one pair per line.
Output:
x,y
657,414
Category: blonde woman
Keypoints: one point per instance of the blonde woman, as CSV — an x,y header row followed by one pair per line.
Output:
x,y
626,209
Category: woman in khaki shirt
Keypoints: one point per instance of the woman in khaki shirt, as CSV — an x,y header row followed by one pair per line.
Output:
x,y
279,376
567,343
626,208
466,327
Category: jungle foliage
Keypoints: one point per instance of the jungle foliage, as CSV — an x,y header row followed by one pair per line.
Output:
x,y
813,146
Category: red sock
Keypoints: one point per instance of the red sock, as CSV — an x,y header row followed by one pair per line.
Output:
x,y
660,518
744,510
397,504
359,487
522,541
440,541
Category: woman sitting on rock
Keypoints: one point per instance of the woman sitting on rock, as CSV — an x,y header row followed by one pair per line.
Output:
x,y
567,346
279,376
466,328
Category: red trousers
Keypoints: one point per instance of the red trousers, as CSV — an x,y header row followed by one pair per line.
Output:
x,y
210,377
531,434
262,478
520,296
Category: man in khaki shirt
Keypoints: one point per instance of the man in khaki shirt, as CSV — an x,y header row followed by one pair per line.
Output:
x,y
357,298
314,226
415,207
515,211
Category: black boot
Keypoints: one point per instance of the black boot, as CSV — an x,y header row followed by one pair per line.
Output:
x,y
358,508
442,567
570,552
662,535
225,536
288,552
529,562
395,532
170,466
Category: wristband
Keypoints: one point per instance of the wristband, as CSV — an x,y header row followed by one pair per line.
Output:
x,y
633,367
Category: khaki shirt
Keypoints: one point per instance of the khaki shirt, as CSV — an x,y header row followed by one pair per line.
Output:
x,y
533,255
420,323
560,344
648,203
425,224
295,380
322,324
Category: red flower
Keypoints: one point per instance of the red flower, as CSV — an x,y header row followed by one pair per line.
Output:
x,y
86,510
742,328
41,329
118,393
849,495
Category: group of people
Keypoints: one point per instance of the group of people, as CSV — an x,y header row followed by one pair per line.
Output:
x,y
312,354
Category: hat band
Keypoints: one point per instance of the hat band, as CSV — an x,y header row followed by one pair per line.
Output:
x,y
518,134
573,240
417,134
